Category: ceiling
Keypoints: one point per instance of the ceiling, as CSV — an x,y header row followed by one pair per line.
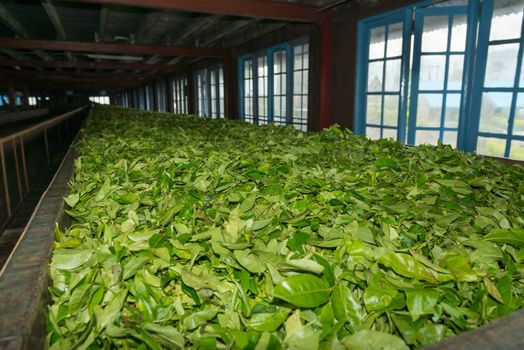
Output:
x,y
30,29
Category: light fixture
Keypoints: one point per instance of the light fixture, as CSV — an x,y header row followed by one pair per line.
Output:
x,y
115,57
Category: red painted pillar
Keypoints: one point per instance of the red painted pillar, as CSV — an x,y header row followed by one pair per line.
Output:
x,y
325,70
12,97
26,97
230,82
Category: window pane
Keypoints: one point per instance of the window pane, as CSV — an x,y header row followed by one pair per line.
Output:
x,y
373,133
394,40
501,65
518,123
426,137
297,82
375,72
458,33
374,107
298,54
277,82
452,110
450,138
393,75
432,72
507,19
429,110
390,134
435,35
517,150
377,43
456,70
494,113
491,146
391,108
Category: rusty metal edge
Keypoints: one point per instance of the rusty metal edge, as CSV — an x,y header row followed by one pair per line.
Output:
x,y
24,280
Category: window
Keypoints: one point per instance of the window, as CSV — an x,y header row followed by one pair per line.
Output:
x,y
280,93
149,98
274,85
300,85
202,93
410,79
501,93
210,92
103,100
246,87
135,98
221,94
179,95
32,100
161,96
262,90
141,97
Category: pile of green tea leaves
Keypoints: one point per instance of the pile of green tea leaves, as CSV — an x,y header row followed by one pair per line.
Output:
x,y
195,233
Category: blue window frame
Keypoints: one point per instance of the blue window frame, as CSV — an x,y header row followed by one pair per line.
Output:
x,y
266,81
149,98
300,85
462,91
382,100
161,96
179,95
246,84
141,98
499,94
438,70
210,92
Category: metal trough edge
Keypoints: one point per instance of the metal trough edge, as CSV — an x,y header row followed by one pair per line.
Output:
x,y
24,280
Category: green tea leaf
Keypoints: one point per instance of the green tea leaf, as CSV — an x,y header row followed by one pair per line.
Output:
x,y
303,290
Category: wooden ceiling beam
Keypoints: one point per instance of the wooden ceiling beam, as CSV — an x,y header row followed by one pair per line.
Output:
x,y
92,65
91,47
247,8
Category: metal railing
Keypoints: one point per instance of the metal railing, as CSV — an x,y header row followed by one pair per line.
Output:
x,y
24,154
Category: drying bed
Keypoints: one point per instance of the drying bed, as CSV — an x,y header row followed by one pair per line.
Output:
x,y
187,232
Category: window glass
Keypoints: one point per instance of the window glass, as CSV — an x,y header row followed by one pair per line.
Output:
x,y
506,22
300,86
435,34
